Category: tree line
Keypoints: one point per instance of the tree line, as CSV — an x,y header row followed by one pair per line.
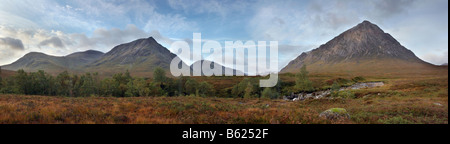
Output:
x,y
124,85
90,84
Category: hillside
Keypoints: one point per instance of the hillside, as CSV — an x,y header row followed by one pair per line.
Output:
x,y
224,69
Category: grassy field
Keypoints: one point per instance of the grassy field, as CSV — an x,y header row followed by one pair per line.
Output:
x,y
402,100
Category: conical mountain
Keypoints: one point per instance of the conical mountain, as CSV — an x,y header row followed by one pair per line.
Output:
x,y
363,49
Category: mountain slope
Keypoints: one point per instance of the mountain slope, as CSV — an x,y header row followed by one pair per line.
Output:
x,y
224,69
362,49
140,57
35,61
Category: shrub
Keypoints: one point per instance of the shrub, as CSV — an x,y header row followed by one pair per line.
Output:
x,y
269,94
358,79
343,94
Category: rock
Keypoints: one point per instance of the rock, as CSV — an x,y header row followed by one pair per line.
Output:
x,y
335,114
438,104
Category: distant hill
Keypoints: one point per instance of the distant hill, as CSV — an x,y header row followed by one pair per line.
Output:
x,y
224,69
363,49
35,61
140,57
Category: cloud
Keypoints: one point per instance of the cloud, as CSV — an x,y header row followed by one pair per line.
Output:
x,y
15,44
387,8
220,8
170,24
53,41
437,58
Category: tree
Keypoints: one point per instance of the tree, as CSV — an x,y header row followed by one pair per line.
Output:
x,y
40,83
107,87
159,75
132,91
120,84
137,87
22,82
155,89
191,86
86,83
239,90
302,82
142,87
205,89
249,91
64,84
179,84
9,86
96,83
268,93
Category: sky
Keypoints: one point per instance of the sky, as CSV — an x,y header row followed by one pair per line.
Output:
x,y
59,28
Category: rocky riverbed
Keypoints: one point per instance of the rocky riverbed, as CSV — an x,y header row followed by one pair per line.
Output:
x,y
326,93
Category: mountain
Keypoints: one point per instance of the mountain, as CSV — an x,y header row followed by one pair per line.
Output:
x,y
363,49
85,57
224,69
35,61
140,57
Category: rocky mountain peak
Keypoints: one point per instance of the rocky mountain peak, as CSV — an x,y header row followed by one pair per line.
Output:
x,y
364,42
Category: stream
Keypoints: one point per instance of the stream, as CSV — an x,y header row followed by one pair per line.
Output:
x,y
325,93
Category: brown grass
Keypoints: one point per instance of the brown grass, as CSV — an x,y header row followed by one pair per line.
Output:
x,y
413,98
402,100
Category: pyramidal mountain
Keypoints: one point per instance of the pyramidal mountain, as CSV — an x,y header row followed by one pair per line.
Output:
x,y
365,48
35,61
140,57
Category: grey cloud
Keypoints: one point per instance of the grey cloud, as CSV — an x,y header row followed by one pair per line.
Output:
x,y
116,36
437,59
336,14
53,41
104,39
155,34
391,7
15,44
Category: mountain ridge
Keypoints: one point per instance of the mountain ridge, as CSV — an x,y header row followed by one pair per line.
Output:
x,y
35,61
140,57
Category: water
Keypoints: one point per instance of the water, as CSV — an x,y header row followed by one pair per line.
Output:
x,y
321,94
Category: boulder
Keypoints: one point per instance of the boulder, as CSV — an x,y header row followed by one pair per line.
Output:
x,y
335,114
